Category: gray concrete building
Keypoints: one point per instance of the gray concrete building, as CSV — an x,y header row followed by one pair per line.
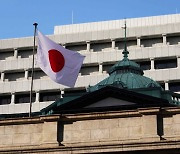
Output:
x,y
153,42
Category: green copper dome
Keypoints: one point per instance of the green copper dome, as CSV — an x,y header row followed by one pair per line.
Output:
x,y
125,65
126,74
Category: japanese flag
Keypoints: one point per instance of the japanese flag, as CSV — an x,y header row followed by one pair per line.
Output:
x,y
60,64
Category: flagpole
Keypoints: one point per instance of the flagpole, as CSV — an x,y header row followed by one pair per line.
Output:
x,y
32,72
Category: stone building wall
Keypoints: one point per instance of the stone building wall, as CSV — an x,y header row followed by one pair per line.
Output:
x,y
142,129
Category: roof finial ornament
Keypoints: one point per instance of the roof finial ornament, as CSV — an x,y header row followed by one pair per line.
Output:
x,y
125,51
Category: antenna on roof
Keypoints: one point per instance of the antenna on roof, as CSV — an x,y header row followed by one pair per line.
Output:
x,y
72,17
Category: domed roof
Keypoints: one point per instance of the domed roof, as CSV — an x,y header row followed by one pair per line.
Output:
x,y
126,64
126,74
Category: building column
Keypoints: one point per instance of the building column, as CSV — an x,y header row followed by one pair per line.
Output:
x,y
138,41
15,53
50,132
26,74
149,126
166,85
2,76
88,45
62,93
37,96
152,63
12,98
113,43
164,39
178,61
100,67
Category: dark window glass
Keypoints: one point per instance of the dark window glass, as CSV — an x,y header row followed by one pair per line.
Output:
x,y
175,86
37,74
173,40
24,98
162,85
120,44
149,42
7,54
131,43
100,46
14,76
77,47
74,92
49,96
107,67
86,70
145,65
26,53
163,64
5,99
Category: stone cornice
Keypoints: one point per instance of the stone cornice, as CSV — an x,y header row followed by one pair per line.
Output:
x,y
25,120
112,114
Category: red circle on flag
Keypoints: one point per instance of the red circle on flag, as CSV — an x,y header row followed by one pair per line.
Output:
x,y
56,60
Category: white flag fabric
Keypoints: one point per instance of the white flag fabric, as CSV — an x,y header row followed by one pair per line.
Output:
x,y
60,64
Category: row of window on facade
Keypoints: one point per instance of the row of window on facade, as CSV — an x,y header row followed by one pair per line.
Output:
x,y
40,97
172,86
150,42
159,64
87,70
56,95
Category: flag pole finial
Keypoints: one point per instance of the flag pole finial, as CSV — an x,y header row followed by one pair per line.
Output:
x,y
35,24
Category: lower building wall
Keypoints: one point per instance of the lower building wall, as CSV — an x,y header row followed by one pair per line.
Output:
x,y
103,130
143,129
24,132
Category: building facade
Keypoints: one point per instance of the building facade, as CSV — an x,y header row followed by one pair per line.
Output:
x,y
153,42
109,120
113,132
126,112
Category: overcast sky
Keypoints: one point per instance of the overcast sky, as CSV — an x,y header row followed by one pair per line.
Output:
x,y
17,16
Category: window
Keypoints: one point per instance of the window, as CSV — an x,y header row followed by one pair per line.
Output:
x,y
37,74
163,64
174,86
74,92
49,96
24,98
100,46
162,84
14,76
145,65
5,99
86,70
106,67
25,53
120,44
7,54
149,42
77,47
173,39
131,43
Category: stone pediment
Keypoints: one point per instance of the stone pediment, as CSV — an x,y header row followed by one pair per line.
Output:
x,y
106,99
109,102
